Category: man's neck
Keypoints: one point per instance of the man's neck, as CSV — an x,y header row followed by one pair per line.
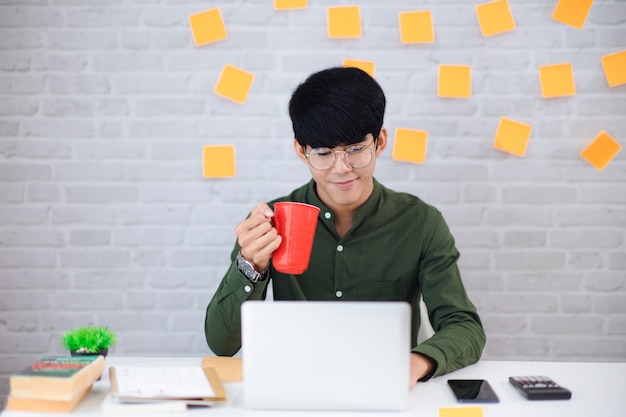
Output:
x,y
343,223
343,214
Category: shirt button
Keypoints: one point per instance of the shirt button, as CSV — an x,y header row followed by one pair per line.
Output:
x,y
247,288
328,215
339,294
340,248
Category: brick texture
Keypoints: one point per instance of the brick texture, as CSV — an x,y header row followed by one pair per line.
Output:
x,y
105,217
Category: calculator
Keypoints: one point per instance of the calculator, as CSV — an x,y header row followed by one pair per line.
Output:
x,y
539,388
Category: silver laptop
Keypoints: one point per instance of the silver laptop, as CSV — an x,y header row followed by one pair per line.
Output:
x,y
323,355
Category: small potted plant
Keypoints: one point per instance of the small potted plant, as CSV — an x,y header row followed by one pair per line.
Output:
x,y
89,340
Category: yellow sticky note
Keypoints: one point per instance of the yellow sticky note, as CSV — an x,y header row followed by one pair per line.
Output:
x,y
454,81
601,151
207,27
410,145
495,17
512,136
234,84
290,4
218,161
557,80
615,68
572,12
416,27
367,66
461,412
344,22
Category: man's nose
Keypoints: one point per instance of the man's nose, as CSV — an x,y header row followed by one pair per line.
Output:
x,y
340,164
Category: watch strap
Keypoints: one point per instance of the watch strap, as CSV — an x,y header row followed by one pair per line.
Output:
x,y
249,269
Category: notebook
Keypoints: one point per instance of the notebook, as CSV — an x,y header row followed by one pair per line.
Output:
x,y
324,355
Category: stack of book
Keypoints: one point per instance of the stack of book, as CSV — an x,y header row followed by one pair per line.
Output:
x,y
54,383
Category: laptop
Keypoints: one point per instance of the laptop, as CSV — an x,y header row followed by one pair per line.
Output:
x,y
325,355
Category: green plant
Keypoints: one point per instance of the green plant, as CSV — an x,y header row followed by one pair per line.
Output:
x,y
89,339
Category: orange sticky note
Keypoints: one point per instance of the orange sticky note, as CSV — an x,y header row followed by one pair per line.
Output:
x,y
416,27
557,80
601,151
290,4
495,17
234,84
461,412
344,22
207,27
572,12
615,68
410,145
454,81
512,136
218,161
367,66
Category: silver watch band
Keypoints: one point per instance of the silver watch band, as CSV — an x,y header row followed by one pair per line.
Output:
x,y
249,270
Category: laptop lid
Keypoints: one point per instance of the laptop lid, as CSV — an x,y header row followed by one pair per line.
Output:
x,y
323,355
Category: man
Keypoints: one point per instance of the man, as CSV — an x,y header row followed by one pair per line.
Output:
x,y
371,243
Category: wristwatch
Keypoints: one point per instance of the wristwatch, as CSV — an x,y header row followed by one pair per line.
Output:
x,y
249,269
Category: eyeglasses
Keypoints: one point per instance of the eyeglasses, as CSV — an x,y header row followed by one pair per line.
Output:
x,y
356,156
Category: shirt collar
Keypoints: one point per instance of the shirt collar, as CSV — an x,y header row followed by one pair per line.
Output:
x,y
368,208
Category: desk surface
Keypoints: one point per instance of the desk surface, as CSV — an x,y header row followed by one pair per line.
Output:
x,y
598,390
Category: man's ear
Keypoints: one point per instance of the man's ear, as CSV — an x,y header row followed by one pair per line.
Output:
x,y
382,141
299,151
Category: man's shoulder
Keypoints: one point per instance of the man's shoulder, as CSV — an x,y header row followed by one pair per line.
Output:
x,y
407,201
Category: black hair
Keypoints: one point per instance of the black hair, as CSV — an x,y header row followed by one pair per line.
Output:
x,y
337,106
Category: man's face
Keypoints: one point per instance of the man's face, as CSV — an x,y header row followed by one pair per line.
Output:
x,y
342,187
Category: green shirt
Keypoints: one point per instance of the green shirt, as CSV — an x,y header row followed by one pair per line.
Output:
x,y
398,248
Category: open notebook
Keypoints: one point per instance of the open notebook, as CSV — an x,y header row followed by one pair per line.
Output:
x,y
319,355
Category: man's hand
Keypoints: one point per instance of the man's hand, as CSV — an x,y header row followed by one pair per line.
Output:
x,y
257,237
420,367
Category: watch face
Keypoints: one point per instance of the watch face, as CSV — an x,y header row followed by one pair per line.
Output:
x,y
247,269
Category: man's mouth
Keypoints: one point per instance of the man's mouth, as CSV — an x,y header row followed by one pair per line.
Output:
x,y
344,183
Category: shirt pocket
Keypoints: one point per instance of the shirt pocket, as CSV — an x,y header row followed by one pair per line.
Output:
x,y
384,291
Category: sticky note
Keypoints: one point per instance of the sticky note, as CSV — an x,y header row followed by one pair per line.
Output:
x,y
572,12
512,136
454,81
461,412
410,145
344,22
234,84
207,27
416,27
615,68
218,161
367,66
290,4
601,151
495,17
557,80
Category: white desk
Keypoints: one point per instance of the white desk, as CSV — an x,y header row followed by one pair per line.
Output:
x,y
598,391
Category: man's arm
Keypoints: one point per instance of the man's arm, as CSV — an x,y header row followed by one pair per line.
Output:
x,y
257,239
222,324
459,336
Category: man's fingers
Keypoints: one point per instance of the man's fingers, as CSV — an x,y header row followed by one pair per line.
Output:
x,y
257,237
262,256
263,209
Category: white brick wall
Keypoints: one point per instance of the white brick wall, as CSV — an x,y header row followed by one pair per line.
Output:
x,y
105,219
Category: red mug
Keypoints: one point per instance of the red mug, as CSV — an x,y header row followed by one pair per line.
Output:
x,y
296,224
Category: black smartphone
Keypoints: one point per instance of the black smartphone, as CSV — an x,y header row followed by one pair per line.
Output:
x,y
473,391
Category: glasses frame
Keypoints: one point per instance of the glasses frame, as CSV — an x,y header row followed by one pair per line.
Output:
x,y
345,155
